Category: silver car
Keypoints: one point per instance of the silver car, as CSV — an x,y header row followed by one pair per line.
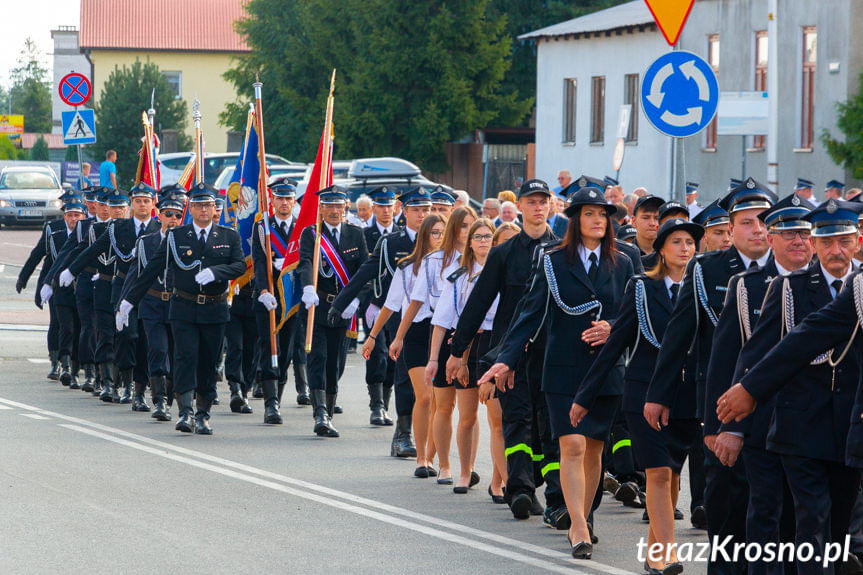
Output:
x,y
29,195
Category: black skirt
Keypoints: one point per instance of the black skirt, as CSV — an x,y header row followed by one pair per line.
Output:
x,y
416,345
665,448
595,425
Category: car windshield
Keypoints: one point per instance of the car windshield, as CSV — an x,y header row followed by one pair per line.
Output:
x,y
27,181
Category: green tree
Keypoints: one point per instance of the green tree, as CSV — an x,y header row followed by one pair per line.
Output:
x,y
411,76
848,153
8,151
125,97
39,151
31,89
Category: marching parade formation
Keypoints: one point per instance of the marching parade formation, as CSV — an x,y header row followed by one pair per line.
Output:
x,y
607,355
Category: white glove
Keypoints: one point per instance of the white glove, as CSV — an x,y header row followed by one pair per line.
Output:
x,y
121,320
66,278
269,300
45,293
279,263
236,289
95,278
205,276
310,298
372,314
351,309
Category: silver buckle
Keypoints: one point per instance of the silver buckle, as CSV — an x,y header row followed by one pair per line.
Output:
x,y
331,298
166,296
202,299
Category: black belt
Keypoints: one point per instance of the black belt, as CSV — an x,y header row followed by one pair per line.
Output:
x,y
90,270
200,298
328,297
105,277
119,274
162,295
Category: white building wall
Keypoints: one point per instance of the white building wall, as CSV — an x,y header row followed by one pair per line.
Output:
x,y
67,58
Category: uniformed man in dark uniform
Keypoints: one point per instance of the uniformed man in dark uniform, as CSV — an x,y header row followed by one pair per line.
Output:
x,y
717,235
703,292
65,322
281,227
154,308
645,218
343,251
204,257
770,516
379,270
442,202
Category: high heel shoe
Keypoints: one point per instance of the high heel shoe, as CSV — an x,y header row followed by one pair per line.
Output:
x,y
496,498
675,568
651,570
582,549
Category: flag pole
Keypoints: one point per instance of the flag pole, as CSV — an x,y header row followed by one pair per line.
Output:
x,y
199,144
151,148
316,255
264,202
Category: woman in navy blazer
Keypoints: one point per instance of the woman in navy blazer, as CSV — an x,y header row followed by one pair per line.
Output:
x,y
577,291
640,326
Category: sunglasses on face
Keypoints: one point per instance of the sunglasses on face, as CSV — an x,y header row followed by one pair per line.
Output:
x,y
171,214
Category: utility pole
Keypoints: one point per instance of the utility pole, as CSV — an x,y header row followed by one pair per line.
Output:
x,y
772,95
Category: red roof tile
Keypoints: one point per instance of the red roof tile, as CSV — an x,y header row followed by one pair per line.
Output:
x,y
159,25
54,141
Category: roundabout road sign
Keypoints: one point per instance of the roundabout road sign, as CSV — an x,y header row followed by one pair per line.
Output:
x,y
75,89
679,94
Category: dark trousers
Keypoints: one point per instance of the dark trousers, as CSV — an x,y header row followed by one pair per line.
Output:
x,y
697,480
69,331
326,358
84,305
824,494
284,345
141,369
724,497
126,343
196,354
241,338
104,350
770,514
159,347
53,327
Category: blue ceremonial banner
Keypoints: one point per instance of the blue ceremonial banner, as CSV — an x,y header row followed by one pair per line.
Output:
x,y
242,196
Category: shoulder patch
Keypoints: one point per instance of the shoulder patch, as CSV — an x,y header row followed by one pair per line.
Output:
x,y
403,264
456,274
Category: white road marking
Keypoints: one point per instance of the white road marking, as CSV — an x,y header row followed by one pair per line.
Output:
x,y
25,327
4,406
33,416
504,546
17,245
38,360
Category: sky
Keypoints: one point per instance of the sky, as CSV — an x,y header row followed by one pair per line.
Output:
x,y
35,19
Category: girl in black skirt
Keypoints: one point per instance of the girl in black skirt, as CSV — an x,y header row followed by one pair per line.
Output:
x,y
640,326
576,291
429,239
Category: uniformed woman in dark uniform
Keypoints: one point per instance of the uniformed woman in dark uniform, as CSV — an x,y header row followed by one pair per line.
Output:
x,y
640,325
577,291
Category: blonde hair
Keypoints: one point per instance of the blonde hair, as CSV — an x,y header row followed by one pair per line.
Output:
x,y
506,196
501,229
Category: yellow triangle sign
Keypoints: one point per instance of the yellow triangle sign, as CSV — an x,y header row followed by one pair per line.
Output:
x,y
670,15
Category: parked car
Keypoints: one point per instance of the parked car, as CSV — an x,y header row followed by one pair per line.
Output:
x,y
172,165
296,171
29,195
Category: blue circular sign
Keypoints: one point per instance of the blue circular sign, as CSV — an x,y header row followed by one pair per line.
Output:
x,y
679,94
75,89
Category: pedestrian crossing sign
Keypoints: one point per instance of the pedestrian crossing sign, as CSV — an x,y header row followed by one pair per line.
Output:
x,y
79,127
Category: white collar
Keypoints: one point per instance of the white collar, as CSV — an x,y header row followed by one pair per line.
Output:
x,y
199,228
163,234
782,271
337,229
830,278
762,261
584,254
280,221
141,223
411,234
383,229
670,282
101,221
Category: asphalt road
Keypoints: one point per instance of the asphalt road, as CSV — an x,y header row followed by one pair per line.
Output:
x,y
88,487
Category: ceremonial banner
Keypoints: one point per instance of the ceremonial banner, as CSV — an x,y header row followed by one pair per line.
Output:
x,y
242,196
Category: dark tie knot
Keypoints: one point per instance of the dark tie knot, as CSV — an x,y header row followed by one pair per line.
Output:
x,y
675,289
836,285
753,264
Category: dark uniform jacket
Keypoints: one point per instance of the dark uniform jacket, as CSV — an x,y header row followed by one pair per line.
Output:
x,y
222,253
155,305
813,408
50,244
353,251
259,258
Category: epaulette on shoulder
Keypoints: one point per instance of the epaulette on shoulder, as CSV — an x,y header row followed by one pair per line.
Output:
x,y
352,225
641,277
799,273
436,253
550,244
404,263
456,274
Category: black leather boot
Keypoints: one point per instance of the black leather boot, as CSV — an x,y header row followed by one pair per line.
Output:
x,y
73,384
54,374
65,372
126,381
271,401
376,403
115,383
257,390
89,377
185,421
388,391
236,397
107,382
157,395
402,445
245,408
323,425
202,417
302,384
169,389
140,403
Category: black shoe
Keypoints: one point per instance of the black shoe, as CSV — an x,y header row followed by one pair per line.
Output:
x,y
536,507
644,516
496,498
557,518
272,415
337,409
402,446
520,506
638,502
88,378
675,569
593,538
126,381
202,426
678,514
444,480
582,550
65,373
303,399
474,478
54,374
257,391
461,490
140,403
246,408
651,570
432,471
626,492
160,410
421,472
236,397
699,518
216,399
185,422
610,483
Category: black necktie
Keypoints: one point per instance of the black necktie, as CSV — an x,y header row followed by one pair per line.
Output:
x,y
836,285
675,288
284,227
140,229
593,270
753,264
203,239
335,233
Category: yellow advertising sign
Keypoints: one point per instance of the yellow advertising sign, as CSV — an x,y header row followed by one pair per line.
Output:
x,y
11,124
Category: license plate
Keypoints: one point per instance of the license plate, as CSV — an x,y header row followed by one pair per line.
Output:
x,y
29,214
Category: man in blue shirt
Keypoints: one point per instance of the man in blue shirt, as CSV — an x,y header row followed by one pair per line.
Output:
x,y
108,170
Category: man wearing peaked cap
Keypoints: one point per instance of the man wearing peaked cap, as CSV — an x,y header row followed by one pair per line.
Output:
x,y
714,219
803,188
645,218
442,202
834,190
626,233
692,199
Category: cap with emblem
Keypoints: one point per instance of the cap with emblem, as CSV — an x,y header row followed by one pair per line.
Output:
x,y
588,196
534,186
284,188
142,190
333,195
836,184
582,183
626,232
416,196
383,196
712,215
172,202
673,208
70,196
439,195
673,225
202,193
102,195
116,198
74,206
220,201
834,218
91,193
691,188
609,181
749,195
648,202
803,184
733,183
787,214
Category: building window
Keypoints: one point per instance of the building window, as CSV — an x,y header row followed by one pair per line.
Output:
x,y
630,96
713,60
807,101
597,110
760,76
569,98
175,81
